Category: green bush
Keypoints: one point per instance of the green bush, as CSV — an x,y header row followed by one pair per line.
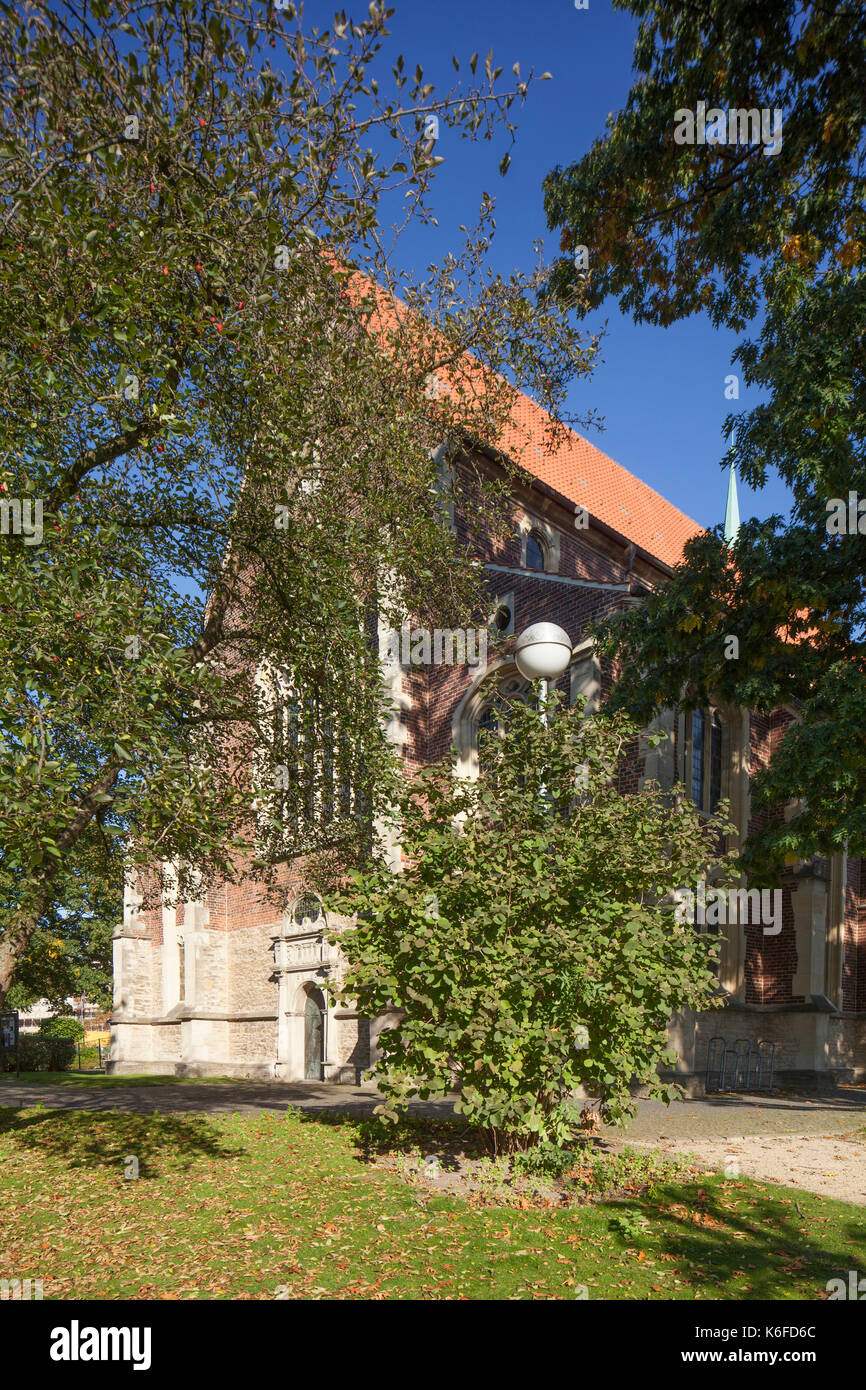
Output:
x,y
546,1160
34,1054
61,1037
62,1028
530,942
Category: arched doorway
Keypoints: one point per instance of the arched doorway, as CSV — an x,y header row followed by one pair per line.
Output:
x,y
314,1036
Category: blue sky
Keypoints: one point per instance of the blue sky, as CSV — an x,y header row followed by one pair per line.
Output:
x,y
660,390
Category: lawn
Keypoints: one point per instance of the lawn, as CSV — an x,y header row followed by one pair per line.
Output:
x,y
265,1206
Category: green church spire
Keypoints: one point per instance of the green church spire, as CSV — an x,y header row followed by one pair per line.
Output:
x,y
732,510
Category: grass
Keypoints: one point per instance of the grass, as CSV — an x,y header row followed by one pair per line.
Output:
x,y
290,1205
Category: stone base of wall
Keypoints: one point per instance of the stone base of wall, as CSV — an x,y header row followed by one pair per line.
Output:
x,y
253,1071
693,1084
815,1049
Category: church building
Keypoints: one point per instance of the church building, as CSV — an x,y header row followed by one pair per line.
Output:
x,y
224,988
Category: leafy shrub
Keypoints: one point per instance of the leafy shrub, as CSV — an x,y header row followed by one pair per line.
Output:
x,y
527,941
545,1160
61,1036
34,1054
630,1225
62,1028
639,1170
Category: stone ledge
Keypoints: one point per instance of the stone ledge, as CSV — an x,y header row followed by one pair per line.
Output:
x,y
813,1081
198,1015
253,1071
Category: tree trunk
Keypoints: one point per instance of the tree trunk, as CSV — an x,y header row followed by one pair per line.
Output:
x,y
16,938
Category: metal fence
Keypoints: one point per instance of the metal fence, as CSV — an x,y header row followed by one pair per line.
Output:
x,y
743,1065
101,1051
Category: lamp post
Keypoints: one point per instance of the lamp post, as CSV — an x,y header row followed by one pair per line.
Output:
x,y
542,651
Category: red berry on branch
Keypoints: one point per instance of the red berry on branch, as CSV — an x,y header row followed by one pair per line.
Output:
x,y
198,267
202,122
219,328
165,270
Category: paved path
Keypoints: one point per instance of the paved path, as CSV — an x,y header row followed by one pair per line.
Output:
x,y
814,1143
717,1117
711,1117
206,1098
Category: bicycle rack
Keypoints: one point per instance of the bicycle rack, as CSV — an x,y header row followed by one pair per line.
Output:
x,y
742,1065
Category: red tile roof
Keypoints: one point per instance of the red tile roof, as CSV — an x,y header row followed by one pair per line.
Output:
x,y
571,465
585,475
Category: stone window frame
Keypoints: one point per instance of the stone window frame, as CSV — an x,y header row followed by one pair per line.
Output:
x,y
685,753
584,670
502,601
332,790
465,720
548,537
832,870
735,787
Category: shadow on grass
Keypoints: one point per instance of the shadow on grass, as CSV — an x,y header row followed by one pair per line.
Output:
x,y
719,1233
419,1136
83,1139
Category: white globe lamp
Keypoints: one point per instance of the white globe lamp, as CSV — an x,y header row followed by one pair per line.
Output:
x,y
542,652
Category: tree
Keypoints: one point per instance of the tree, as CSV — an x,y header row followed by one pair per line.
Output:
x,y
770,234
70,952
215,432
531,910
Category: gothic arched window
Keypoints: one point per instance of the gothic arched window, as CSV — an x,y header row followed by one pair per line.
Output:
x,y
535,553
702,770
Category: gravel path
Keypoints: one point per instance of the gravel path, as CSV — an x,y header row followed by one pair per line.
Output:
x,y
816,1143
833,1165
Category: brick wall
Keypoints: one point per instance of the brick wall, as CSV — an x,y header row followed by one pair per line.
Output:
x,y
234,960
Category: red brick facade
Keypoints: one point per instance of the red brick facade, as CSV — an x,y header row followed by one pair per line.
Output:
x,y
805,987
